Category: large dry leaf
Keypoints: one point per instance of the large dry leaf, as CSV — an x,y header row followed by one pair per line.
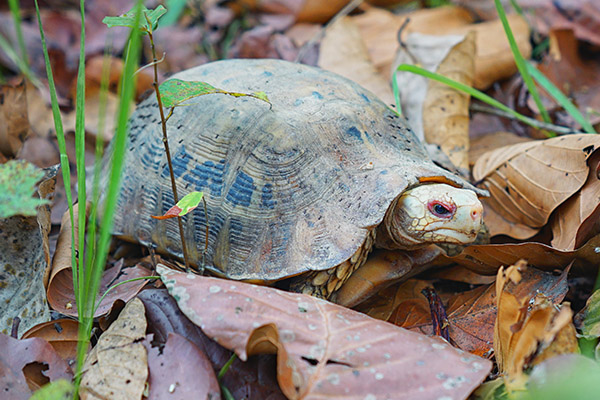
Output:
x,y
527,326
446,110
324,349
492,141
343,51
15,125
578,218
170,378
302,10
22,363
528,181
486,259
379,29
117,368
254,379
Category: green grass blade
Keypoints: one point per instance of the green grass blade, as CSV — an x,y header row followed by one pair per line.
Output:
x,y
520,61
80,158
60,138
469,90
16,15
560,98
14,57
396,91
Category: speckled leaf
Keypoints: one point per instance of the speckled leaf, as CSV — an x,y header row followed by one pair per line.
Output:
x,y
128,19
188,203
324,349
590,328
175,91
17,185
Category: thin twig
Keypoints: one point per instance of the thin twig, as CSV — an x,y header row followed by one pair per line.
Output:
x,y
166,144
319,35
533,122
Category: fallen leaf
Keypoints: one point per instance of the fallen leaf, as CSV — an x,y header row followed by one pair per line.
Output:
x,y
590,317
492,141
324,346
61,334
117,367
342,51
169,377
17,380
528,181
578,218
487,258
458,273
446,110
14,128
254,379
60,292
527,325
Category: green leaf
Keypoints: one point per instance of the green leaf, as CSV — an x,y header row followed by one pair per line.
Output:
x,y
188,203
57,390
17,185
148,23
175,91
591,319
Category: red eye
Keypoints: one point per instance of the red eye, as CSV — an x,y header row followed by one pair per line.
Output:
x,y
441,210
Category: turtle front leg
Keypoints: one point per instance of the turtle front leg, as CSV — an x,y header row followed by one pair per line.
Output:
x,y
323,284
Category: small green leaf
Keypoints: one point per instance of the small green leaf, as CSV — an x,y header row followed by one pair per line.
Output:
x,y
175,91
56,390
591,320
148,23
188,203
17,185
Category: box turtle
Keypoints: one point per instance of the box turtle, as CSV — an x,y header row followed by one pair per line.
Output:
x,y
305,187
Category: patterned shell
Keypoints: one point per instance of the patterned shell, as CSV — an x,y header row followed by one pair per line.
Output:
x,y
289,188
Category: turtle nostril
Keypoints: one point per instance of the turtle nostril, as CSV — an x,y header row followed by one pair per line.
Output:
x,y
476,214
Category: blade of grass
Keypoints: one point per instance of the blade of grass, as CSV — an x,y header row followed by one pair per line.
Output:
x,y
520,61
464,88
60,138
560,98
16,16
14,57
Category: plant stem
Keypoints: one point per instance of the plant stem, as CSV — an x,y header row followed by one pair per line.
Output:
x,y
531,121
163,123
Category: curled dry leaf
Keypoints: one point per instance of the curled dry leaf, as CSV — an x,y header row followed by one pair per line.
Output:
x,y
528,181
492,141
303,10
20,362
60,293
117,368
170,378
578,218
343,51
324,349
446,110
529,328
61,334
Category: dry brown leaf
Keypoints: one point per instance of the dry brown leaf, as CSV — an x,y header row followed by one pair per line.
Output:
x,y
459,273
528,181
379,29
13,114
527,326
578,218
117,368
61,334
386,304
492,141
329,350
304,10
446,110
343,51
60,293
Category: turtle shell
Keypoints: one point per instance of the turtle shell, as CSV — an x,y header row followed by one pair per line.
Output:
x,y
291,187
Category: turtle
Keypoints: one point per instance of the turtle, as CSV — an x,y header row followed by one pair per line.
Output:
x,y
301,188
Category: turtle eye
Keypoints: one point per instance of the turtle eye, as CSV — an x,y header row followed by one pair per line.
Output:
x,y
441,210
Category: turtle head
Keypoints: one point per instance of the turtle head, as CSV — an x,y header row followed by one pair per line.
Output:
x,y
433,213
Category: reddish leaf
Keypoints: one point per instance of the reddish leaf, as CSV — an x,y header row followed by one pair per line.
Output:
x,y
173,212
26,364
61,334
324,349
169,377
